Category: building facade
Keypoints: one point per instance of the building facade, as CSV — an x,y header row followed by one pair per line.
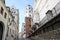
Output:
x,y
3,20
7,24
43,6
49,13
3,1
27,25
11,29
15,13
22,29
28,19
23,26
29,13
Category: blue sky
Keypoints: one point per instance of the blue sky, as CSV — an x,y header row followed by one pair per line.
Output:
x,y
20,4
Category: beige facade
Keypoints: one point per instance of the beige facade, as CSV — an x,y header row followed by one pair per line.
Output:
x,y
3,19
8,27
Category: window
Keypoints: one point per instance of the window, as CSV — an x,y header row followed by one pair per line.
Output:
x,y
14,12
29,7
29,15
10,23
40,32
12,35
50,28
3,1
26,11
7,32
56,25
24,29
9,19
10,31
29,20
2,10
14,17
5,15
29,11
17,27
12,8
11,12
44,30
30,25
5,39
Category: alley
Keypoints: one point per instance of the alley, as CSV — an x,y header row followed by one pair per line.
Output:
x,y
29,19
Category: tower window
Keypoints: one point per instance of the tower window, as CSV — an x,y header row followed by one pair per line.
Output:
x,y
29,7
29,11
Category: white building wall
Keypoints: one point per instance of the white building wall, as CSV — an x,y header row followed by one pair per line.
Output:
x,y
27,9
42,6
36,18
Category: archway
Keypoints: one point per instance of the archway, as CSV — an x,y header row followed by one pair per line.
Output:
x,y
1,29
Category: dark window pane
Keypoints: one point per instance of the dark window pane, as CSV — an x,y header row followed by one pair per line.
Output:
x,y
2,10
57,25
5,15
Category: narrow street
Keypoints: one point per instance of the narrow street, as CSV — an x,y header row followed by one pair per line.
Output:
x,y
29,19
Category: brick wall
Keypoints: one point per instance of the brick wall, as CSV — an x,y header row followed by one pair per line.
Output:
x,y
27,25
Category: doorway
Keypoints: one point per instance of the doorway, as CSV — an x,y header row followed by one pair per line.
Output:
x,y
1,30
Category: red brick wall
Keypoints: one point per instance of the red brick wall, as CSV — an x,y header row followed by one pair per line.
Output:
x,y
27,24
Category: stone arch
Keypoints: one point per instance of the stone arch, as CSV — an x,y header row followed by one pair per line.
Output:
x,y
1,29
